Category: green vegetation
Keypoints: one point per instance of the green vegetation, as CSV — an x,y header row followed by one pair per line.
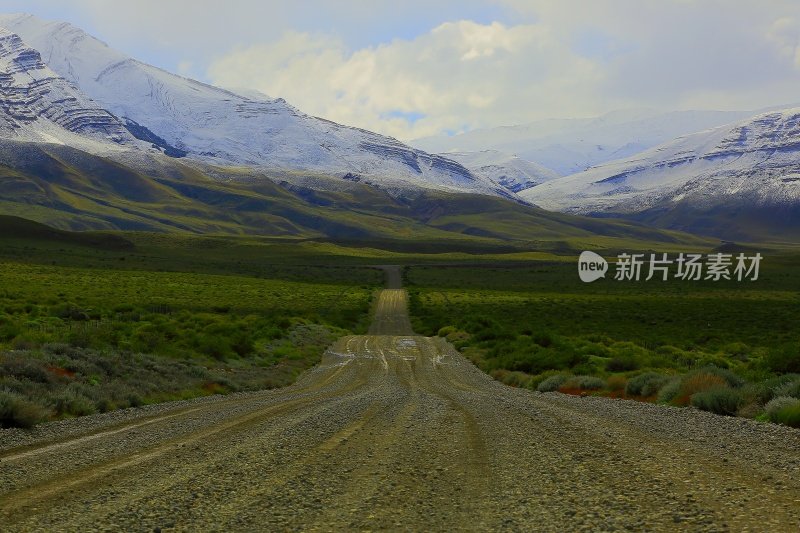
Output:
x,y
69,189
724,347
784,410
83,331
94,321
646,385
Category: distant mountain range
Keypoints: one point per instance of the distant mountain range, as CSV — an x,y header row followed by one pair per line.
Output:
x,y
733,175
55,70
91,138
567,146
740,181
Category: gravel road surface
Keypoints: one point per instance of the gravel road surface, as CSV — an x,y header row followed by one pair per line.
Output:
x,y
394,431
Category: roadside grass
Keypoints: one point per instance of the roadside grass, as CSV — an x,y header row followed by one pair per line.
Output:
x,y
96,336
60,380
722,347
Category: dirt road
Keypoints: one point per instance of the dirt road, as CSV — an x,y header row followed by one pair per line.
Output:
x,y
397,431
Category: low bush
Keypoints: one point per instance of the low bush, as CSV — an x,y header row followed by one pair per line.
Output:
x,y
72,403
552,383
583,383
647,384
721,401
536,379
763,391
784,410
778,403
16,411
730,378
517,379
669,391
446,330
791,389
702,380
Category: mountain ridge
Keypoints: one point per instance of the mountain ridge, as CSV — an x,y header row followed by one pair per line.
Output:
x,y
750,167
507,170
217,126
568,146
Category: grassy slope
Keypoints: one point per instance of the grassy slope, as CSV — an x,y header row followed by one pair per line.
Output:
x,y
69,189
744,222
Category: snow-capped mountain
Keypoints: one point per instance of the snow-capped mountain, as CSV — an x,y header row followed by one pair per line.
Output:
x,y
38,105
507,170
753,163
573,145
206,124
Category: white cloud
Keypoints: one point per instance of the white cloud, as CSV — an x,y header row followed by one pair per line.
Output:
x,y
571,59
459,74
413,68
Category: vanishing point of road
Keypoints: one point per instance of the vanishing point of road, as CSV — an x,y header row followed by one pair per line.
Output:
x,y
395,431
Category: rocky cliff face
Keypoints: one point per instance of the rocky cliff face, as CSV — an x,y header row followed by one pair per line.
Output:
x,y
36,103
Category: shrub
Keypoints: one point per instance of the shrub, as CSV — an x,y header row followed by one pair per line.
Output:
x,y
134,400
721,401
517,379
729,377
784,410
8,329
583,383
538,378
213,346
789,416
763,391
58,348
693,383
669,391
22,367
778,403
647,384
791,389
552,383
70,402
446,330
15,411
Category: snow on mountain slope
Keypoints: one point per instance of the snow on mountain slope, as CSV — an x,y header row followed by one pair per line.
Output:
x,y
507,170
36,104
572,145
753,162
213,125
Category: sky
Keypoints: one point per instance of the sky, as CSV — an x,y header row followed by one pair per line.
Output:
x,y
416,68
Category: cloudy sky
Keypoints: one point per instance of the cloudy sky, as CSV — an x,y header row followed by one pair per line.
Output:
x,y
414,68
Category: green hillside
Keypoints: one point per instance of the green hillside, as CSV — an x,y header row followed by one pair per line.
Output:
x,y
72,190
